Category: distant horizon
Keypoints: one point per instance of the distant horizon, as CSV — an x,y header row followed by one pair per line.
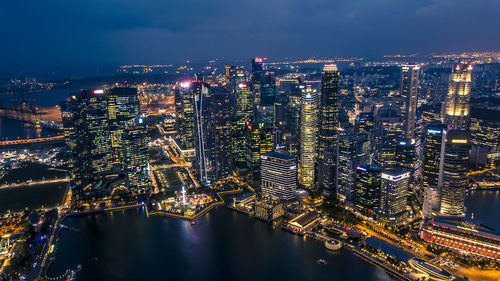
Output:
x,y
95,70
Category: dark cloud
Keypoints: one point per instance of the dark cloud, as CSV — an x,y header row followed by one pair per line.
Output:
x,y
61,33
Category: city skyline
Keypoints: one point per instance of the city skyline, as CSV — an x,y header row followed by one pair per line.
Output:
x,y
250,140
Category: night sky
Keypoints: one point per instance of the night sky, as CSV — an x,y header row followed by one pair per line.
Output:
x,y
70,34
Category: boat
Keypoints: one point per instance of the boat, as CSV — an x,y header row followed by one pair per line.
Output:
x,y
193,223
321,261
333,245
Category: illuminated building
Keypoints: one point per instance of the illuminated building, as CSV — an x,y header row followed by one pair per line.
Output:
x,y
388,130
393,195
257,68
308,136
184,114
434,139
136,156
457,108
465,236
222,111
267,90
123,105
278,174
485,130
364,122
243,115
304,222
354,150
368,185
431,200
268,210
258,140
90,140
405,157
454,173
409,92
265,109
204,163
328,124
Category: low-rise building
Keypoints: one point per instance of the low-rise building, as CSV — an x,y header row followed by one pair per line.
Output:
x,y
466,236
268,209
304,222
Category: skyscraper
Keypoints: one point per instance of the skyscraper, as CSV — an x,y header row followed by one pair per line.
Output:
x,y
204,118
406,155
457,108
368,186
388,130
409,92
243,116
278,174
328,139
257,68
258,140
354,150
455,168
123,105
393,195
222,111
135,162
308,135
87,118
184,113
434,138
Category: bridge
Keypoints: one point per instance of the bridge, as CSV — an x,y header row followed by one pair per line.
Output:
x,y
33,140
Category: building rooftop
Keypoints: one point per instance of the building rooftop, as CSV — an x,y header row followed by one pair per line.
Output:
x,y
275,154
467,226
485,114
305,218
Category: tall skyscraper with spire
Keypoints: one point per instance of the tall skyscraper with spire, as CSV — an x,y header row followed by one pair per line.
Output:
x,y
328,138
457,108
308,135
409,93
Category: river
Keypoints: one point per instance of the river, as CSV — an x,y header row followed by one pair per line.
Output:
x,y
225,245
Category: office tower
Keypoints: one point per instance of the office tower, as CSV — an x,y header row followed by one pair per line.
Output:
x,y
135,162
364,122
204,163
368,186
485,131
278,174
409,92
393,195
265,111
457,106
433,141
123,105
328,139
222,111
184,114
308,135
388,130
243,116
406,155
456,159
292,117
354,150
257,68
431,201
267,90
91,142
258,140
